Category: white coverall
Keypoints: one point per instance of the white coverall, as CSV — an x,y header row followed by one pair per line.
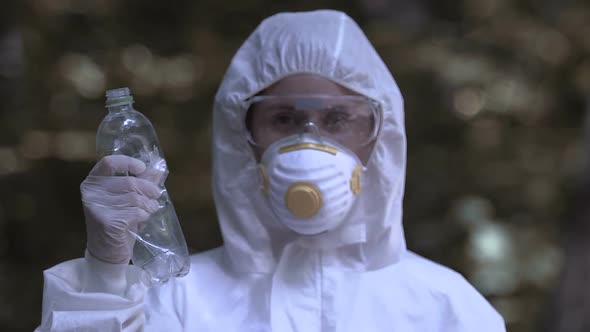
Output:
x,y
358,277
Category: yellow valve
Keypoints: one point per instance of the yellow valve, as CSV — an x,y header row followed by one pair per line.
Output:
x,y
303,199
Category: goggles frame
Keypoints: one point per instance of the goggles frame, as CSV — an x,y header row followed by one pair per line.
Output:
x,y
377,108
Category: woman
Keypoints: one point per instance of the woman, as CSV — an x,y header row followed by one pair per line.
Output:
x,y
308,179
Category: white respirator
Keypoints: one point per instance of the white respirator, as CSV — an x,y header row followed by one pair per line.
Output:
x,y
311,184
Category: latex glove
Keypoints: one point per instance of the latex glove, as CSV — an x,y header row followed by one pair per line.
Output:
x,y
114,205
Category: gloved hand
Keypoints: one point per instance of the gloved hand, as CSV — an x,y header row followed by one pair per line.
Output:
x,y
114,205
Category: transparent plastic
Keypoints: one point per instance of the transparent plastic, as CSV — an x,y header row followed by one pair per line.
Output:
x,y
160,248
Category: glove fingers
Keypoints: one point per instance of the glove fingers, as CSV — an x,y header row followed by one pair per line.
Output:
x,y
157,169
155,174
117,165
120,185
120,201
145,187
108,231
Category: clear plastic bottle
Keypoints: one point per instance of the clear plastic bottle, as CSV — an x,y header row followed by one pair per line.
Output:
x,y
160,248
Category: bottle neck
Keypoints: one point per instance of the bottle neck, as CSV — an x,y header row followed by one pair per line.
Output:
x,y
127,107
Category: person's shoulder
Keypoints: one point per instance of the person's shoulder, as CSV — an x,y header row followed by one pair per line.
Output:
x,y
439,280
435,276
451,291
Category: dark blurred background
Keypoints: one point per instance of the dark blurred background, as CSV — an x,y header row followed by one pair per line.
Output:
x,y
496,96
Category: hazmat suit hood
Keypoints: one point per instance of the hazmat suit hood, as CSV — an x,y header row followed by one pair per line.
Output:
x,y
330,44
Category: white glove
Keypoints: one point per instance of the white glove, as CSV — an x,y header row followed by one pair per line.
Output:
x,y
115,205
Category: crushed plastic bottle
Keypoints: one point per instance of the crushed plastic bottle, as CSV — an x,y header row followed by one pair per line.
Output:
x,y
160,248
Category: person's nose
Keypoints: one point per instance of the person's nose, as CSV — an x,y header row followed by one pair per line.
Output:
x,y
311,128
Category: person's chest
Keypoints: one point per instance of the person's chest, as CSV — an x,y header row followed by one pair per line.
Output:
x,y
317,298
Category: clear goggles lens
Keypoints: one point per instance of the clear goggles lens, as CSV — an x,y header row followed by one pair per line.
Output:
x,y
352,121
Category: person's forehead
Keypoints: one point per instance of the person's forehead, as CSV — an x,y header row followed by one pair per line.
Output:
x,y
302,84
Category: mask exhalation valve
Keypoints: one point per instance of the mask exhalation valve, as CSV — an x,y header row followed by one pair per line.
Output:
x,y
303,200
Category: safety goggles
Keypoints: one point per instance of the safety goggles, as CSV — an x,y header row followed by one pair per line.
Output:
x,y
351,120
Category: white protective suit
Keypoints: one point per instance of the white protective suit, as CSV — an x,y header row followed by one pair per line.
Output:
x,y
358,277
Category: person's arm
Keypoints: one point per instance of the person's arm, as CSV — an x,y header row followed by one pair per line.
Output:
x,y
86,294
470,311
102,292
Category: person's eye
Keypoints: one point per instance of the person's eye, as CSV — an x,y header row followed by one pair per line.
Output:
x,y
285,119
335,120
